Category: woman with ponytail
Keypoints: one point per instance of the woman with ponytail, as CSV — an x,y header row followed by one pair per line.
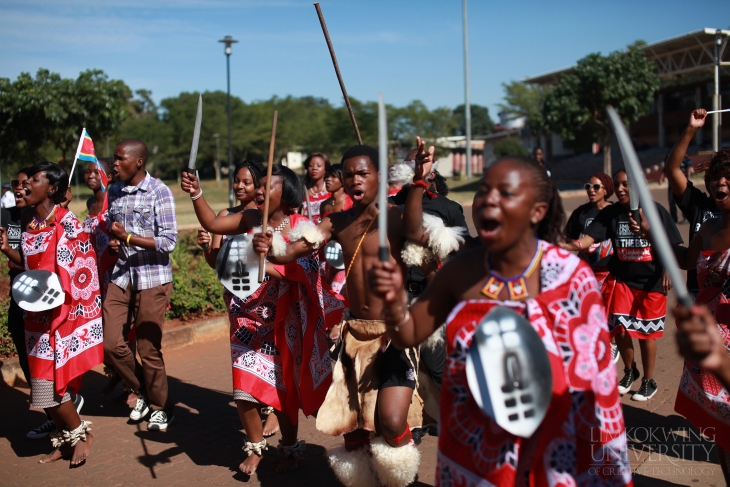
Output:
x,y
519,219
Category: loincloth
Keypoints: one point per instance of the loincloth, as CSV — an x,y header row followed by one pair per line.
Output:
x,y
351,401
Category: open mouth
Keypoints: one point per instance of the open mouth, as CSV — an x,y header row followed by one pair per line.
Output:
x,y
358,194
720,195
488,228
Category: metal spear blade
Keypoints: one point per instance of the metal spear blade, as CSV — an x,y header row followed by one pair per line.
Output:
x,y
196,136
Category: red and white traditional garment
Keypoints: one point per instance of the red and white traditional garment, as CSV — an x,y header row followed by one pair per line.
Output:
x,y
582,440
315,200
334,277
66,341
97,226
279,345
701,397
640,313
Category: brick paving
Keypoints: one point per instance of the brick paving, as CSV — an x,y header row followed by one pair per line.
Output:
x,y
203,445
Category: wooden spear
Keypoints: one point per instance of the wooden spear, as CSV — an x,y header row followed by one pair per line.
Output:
x,y
337,71
265,223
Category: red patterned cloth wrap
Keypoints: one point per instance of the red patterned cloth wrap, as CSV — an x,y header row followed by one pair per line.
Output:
x,y
601,276
582,440
279,347
97,228
315,200
701,398
640,313
72,332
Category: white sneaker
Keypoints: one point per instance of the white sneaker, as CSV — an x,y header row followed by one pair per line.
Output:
x,y
160,420
615,353
140,409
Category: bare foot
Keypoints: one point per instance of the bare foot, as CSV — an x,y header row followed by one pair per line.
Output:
x,y
249,465
82,450
287,464
56,454
271,425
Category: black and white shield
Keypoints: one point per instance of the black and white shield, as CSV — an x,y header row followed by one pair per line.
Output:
x,y
38,291
333,254
238,266
508,372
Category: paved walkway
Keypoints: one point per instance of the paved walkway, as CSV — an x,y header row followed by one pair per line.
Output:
x,y
203,445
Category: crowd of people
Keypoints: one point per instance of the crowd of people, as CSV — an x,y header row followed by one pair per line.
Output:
x,y
377,348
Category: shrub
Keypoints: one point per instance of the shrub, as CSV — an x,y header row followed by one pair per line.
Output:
x,y
509,147
196,289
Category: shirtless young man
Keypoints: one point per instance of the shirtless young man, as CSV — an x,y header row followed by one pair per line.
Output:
x,y
385,390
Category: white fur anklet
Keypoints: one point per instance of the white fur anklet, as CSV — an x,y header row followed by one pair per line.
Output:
x,y
306,230
294,451
79,433
255,448
57,439
353,468
395,467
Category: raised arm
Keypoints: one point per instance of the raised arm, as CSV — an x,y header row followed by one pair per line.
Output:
x,y
413,212
673,167
229,224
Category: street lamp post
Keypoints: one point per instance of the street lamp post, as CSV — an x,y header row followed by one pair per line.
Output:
x,y
229,41
467,104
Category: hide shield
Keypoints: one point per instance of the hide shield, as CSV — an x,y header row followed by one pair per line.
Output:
x,y
508,372
237,266
38,291
334,256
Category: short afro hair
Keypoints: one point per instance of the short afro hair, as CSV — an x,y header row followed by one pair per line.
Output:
x,y
291,189
719,166
57,178
363,150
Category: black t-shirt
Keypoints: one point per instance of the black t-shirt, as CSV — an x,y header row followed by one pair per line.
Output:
x,y
581,219
11,223
633,260
449,211
698,207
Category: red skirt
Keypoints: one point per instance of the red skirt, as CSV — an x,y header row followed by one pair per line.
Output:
x,y
640,313
601,275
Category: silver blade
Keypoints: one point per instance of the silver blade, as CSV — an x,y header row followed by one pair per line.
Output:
x,y
196,135
383,183
635,197
660,241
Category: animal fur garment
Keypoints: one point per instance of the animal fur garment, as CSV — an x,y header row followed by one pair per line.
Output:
x,y
352,398
353,468
278,244
442,241
308,231
396,467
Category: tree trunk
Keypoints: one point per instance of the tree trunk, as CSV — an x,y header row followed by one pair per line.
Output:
x,y
607,155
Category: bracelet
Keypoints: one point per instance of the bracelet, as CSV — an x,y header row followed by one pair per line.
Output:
x,y
424,185
129,237
402,322
193,198
580,244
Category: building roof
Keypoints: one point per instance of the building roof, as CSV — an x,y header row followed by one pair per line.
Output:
x,y
682,54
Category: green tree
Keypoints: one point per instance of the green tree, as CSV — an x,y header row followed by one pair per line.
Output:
x,y
50,110
525,100
625,80
509,146
481,123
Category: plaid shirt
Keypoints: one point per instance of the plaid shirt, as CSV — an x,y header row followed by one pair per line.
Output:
x,y
146,210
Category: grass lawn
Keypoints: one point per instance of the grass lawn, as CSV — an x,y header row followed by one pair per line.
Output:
x,y
462,191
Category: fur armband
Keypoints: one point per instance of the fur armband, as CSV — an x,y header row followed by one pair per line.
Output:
x,y
415,255
308,231
278,244
442,240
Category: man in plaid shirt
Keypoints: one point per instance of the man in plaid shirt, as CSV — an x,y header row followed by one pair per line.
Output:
x,y
142,212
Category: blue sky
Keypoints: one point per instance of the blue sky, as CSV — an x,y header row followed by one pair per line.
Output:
x,y
407,49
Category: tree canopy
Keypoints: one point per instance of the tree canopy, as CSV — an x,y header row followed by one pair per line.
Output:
x,y
626,80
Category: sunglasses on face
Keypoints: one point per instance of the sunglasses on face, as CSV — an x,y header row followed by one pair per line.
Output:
x,y
595,187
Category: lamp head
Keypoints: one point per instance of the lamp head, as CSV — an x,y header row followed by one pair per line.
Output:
x,y
228,41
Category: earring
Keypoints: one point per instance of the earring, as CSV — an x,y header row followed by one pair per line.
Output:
x,y
50,193
534,221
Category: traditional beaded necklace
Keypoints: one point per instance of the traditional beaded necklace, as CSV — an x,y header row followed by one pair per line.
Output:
x,y
40,225
516,286
281,227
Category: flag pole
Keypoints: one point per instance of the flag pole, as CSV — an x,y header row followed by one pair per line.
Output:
x,y
78,151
